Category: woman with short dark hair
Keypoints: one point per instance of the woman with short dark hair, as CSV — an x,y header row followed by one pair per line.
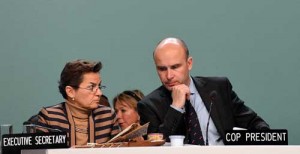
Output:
x,y
80,115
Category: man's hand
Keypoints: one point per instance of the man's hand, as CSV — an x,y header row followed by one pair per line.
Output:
x,y
180,93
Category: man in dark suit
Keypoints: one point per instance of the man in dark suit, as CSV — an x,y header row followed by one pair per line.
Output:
x,y
165,107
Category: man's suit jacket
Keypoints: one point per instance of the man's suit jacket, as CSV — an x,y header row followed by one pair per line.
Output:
x,y
228,110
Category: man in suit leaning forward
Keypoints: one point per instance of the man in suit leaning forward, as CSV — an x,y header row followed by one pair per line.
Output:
x,y
165,107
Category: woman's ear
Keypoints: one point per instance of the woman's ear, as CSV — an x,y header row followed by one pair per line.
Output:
x,y
70,92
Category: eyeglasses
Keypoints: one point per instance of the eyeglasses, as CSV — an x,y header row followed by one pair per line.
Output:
x,y
92,88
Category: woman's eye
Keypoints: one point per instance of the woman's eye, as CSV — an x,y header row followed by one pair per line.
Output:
x,y
91,87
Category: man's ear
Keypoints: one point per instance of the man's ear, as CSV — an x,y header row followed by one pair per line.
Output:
x,y
190,63
70,91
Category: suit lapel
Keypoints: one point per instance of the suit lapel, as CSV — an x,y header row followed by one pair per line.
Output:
x,y
204,90
166,95
164,101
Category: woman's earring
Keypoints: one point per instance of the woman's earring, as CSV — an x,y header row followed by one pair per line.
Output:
x,y
139,119
73,99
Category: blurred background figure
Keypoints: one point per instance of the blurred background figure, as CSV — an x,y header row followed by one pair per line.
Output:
x,y
125,105
104,101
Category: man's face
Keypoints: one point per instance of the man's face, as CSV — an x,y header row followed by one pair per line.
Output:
x,y
172,64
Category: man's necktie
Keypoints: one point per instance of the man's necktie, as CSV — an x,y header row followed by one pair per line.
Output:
x,y
193,128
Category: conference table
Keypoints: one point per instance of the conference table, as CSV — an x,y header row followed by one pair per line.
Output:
x,y
167,149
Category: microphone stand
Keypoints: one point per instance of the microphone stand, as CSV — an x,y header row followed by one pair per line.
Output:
x,y
206,141
31,125
212,96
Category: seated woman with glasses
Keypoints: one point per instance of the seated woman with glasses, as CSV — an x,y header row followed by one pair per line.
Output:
x,y
80,115
125,105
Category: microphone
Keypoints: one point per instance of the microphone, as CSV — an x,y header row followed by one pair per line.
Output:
x,y
31,124
212,97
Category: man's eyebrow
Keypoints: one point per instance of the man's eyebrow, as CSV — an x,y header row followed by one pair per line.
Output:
x,y
176,65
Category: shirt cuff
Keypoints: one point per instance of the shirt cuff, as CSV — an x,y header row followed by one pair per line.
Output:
x,y
181,110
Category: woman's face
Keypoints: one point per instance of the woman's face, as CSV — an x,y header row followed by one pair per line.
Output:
x,y
126,115
88,93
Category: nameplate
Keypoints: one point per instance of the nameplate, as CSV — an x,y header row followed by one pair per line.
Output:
x,y
13,143
254,137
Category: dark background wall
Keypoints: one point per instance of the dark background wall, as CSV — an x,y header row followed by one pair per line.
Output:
x,y
254,43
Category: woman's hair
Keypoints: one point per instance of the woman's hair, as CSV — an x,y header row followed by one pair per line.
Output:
x,y
129,97
72,74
